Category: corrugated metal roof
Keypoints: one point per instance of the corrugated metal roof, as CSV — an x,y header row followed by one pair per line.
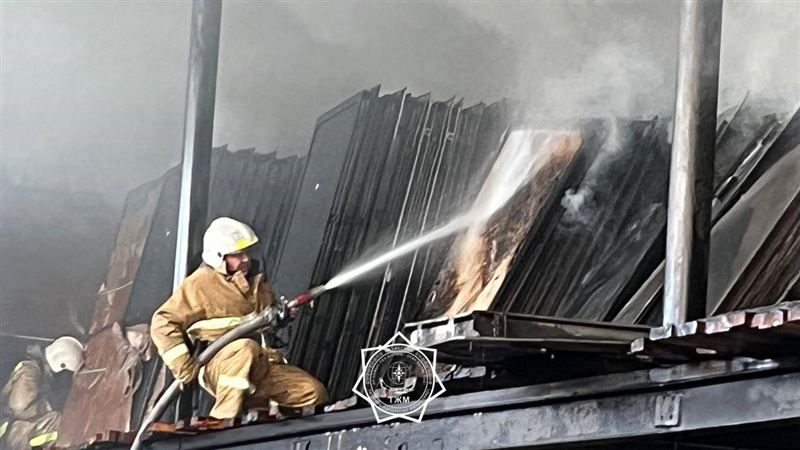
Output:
x,y
410,163
592,242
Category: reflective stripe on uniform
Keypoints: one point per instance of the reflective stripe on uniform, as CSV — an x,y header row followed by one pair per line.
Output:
x,y
19,366
201,379
235,382
42,439
4,427
218,323
174,353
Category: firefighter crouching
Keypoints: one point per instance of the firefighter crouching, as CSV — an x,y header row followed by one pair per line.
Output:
x,y
211,301
28,418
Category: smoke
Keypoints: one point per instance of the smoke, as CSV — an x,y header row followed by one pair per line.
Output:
x,y
589,59
761,54
597,59
616,80
581,205
283,64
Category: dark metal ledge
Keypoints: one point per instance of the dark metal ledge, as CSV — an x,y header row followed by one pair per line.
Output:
x,y
711,393
486,337
767,332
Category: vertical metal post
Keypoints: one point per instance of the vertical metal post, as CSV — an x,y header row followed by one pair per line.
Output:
x,y
198,129
692,162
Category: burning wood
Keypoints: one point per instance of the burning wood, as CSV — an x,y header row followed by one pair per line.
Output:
x,y
479,258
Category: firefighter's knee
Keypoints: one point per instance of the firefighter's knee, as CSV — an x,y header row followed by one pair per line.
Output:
x,y
321,392
316,393
244,348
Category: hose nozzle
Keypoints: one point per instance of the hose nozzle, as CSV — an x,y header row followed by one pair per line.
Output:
x,y
306,297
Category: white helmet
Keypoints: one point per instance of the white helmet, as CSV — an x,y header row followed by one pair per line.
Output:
x,y
65,353
223,237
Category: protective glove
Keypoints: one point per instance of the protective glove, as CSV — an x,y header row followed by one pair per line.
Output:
x,y
284,314
185,368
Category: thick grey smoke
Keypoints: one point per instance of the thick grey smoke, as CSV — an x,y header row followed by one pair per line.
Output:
x,y
601,59
92,96
590,59
284,64
761,53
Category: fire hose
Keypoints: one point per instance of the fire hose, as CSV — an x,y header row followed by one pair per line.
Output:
x,y
261,321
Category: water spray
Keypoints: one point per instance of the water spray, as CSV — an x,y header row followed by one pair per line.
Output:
x,y
512,169
306,297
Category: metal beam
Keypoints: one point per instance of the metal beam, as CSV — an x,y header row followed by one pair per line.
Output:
x,y
26,337
201,85
667,413
458,411
198,130
692,162
490,337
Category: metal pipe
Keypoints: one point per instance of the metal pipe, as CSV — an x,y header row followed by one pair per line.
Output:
x,y
26,337
201,85
692,162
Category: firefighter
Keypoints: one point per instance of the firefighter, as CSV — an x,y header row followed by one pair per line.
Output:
x,y
29,418
245,374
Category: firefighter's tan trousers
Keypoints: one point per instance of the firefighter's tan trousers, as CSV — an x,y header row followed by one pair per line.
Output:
x,y
22,434
242,375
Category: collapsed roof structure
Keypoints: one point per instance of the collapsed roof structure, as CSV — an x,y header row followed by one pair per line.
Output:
x,y
580,242
582,239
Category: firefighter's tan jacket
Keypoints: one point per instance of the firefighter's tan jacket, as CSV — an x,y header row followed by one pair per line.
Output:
x,y
23,393
206,305
28,418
